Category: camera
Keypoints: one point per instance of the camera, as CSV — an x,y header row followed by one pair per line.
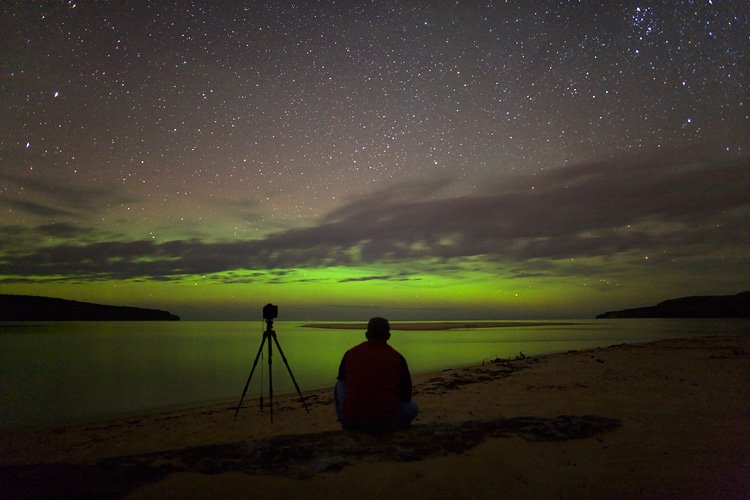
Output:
x,y
270,311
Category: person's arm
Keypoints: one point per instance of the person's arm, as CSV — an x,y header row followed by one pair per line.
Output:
x,y
404,386
341,368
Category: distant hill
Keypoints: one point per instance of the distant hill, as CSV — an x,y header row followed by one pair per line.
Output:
x,y
31,308
715,306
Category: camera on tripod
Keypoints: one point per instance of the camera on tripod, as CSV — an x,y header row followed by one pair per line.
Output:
x,y
270,311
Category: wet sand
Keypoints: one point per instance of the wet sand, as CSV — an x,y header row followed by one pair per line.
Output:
x,y
669,419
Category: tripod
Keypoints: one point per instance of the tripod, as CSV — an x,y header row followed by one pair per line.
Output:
x,y
270,336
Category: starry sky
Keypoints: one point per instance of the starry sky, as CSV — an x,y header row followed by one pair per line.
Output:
x,y
414,159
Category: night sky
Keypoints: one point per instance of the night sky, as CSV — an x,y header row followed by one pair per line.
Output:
x,y
419,160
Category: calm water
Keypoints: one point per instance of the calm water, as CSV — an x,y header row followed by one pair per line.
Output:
x,y
57,373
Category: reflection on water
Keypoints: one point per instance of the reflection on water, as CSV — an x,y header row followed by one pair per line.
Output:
x,y
53,373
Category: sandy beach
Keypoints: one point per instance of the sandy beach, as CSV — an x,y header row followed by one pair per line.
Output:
x,y
669,419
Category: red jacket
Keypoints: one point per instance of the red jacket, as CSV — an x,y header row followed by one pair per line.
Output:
x,y
377,380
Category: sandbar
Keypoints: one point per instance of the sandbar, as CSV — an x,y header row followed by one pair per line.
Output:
x,y
439,325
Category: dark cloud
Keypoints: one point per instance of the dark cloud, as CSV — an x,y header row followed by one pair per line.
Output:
x,y
13,236
47,197
636,206
34,208
63,230
16,239
584,210
246,209
384,277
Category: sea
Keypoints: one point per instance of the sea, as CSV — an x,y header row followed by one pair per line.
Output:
x,y
55,374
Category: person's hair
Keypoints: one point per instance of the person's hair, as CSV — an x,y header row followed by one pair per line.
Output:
x,y
378,328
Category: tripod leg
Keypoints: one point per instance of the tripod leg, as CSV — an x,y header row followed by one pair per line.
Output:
x,y
278,346
270,374
247,384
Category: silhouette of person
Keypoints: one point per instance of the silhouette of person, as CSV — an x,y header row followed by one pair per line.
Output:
x,y
373,387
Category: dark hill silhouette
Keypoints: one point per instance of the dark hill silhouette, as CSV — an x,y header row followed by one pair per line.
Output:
x,y
31,308
713,306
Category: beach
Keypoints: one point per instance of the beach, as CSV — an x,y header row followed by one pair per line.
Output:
x,y
668,419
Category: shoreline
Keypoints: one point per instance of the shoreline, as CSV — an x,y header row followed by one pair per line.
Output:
x,y
658,419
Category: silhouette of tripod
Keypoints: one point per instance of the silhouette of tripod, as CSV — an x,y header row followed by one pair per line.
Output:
x,y
270,336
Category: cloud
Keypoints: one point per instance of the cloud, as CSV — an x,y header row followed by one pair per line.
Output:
x,y
48,197
383,277
63,230
594,210
246,209
34,208
584,210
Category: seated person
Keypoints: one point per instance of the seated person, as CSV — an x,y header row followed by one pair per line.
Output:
x,y
373,390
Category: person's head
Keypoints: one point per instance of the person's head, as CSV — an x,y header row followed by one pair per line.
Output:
x,y
378,328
